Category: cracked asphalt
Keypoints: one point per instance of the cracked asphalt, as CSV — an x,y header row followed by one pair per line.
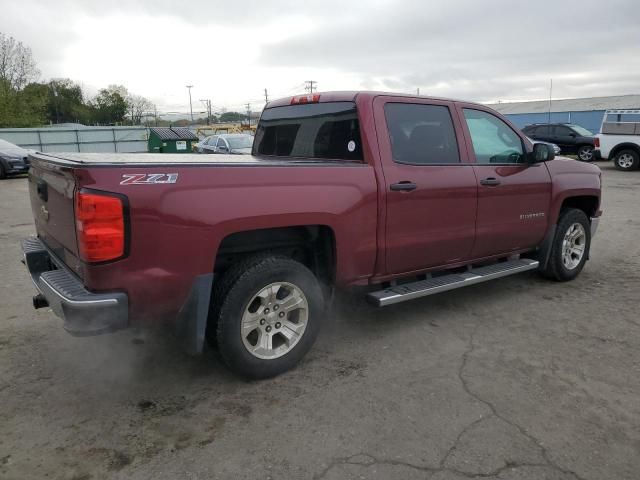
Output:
x,y
519,378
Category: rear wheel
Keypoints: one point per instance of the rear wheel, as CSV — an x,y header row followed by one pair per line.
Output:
x,y
627,160
585,153
570,248
267,314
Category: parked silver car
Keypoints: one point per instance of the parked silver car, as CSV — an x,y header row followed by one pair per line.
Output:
x,y
233,143
13,159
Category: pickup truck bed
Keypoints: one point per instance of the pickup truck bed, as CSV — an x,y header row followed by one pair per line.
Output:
x,y
407,196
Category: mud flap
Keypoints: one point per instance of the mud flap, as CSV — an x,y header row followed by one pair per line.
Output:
x,y
191,324
545,249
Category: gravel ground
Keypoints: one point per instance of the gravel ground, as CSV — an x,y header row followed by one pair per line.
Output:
x,y
519,378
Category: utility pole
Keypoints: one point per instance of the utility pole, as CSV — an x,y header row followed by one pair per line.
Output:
x,y
249,113
190,104
266,96
418,91
550,92
55,94
207,104
155,113
309,85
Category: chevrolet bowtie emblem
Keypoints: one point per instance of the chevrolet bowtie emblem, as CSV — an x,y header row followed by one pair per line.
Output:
x,y
45,212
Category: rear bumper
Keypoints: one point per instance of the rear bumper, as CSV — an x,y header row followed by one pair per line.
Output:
x,y
83,312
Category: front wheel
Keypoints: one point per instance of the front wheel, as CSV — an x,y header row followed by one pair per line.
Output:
x,y
3,173
267,313
585,153
627,160
570,248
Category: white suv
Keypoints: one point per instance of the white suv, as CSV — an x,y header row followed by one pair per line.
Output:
x,y
619,138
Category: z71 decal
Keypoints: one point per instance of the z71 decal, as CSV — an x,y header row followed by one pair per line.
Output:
x,y
148,178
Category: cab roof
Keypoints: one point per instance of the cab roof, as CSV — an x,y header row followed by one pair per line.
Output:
x,y
351,95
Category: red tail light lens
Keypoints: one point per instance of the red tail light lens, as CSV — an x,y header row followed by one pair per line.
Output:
x,y
300,99
99,226
596,142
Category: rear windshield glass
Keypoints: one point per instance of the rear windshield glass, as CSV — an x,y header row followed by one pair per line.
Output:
x,y
316,130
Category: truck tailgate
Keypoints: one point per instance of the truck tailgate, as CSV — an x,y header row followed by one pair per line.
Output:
x,y
51,189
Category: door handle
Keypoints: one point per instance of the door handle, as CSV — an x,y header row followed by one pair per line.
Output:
x,y
490,182
404,186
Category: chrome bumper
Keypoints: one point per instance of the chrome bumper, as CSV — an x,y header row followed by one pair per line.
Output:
x,y
83,312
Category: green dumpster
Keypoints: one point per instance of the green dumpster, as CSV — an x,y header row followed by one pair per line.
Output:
x,y
171,140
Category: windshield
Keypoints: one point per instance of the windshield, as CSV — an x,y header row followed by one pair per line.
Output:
x,y
241,141
7,148
313,130
581,131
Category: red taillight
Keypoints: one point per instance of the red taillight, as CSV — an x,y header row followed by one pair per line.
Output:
x,y
315,98
99,226
596,142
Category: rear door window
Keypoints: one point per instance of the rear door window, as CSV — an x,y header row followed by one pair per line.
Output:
x,y
316,130
562,131
421,134
542,131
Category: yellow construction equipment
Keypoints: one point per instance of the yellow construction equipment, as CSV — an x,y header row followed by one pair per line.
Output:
x,y
217,128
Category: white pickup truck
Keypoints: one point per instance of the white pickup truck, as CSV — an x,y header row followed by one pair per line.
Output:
x,y
619,138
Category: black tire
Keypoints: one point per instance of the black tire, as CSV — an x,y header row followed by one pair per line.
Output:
x,y
586,153
555,268
625,155
3,173
230,300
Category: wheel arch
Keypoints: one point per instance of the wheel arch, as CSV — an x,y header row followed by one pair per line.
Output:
x,y
587,203
623,146
312,245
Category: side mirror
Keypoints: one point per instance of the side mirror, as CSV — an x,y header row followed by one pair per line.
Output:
x,y
542,152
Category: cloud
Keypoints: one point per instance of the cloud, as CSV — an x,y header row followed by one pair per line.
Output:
x,y
482,50
478,50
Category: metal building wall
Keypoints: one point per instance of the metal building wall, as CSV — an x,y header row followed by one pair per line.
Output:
x,y
589,120
85,139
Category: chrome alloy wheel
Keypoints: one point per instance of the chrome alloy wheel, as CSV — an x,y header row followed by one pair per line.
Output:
x,y
574,245
625,160
585,154
274,320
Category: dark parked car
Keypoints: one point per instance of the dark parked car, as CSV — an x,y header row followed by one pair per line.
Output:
x,y
13,159
572,139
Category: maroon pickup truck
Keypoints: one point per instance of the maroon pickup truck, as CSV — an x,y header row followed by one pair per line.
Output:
x,y
408,196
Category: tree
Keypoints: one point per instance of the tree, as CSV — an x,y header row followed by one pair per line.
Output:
x,y
111,104
138,107
66,102
17,67
232,117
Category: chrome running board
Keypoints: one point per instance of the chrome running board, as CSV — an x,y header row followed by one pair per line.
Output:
x,y
422,288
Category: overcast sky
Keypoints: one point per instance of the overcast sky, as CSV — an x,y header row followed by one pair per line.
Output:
x,y
231,50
